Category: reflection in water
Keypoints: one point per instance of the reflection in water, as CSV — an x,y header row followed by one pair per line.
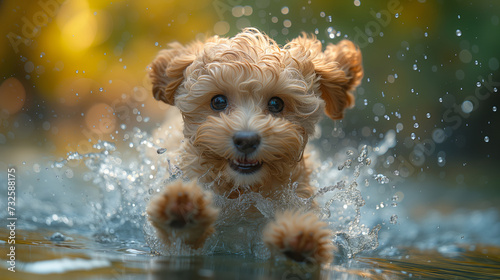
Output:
x,y
469,262
81,257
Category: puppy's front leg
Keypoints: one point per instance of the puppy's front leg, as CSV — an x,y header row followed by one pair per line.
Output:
x,y
300,236
183,210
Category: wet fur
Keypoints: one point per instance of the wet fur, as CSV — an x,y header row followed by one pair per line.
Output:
x,y
249,69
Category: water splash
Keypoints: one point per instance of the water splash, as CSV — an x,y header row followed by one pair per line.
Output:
x,y
123,177
342,208
128,176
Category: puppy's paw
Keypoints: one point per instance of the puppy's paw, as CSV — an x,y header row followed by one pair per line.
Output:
x,y
182,210
301,237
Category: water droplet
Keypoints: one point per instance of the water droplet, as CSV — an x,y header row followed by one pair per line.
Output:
x,y
394,219
285,10
459,32
415,125
494,108
101,89
381,178
57,237
322,14
59,164
415,67
396,15
486,139
428,115
413,136
478,84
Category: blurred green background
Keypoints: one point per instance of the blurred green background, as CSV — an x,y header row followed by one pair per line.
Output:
x,y
74,72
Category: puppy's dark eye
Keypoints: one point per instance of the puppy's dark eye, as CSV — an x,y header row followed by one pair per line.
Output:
x,y
218,103
275,105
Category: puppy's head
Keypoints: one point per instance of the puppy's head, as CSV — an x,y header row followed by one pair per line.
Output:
x,y
248,105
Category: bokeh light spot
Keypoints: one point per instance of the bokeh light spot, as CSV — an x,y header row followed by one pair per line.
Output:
x,y
493,63
378,109
12,95
99,118
242,23
80,31
467,106
237,11
221,27
29,67
465,56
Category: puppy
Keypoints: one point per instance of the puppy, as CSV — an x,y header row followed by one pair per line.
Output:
x,y
249,107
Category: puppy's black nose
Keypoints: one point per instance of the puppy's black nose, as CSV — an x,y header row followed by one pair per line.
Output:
x,y
246,141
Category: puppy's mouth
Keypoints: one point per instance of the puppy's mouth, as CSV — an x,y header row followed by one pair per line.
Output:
x,y
245,166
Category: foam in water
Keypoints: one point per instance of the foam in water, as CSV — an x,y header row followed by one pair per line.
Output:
x,y
129,176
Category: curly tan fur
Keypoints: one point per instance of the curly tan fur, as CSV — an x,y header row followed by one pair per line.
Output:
x,y
300,236
249,70
183,209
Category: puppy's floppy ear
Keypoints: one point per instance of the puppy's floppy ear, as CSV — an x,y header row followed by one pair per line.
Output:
x,y
167,69
339,70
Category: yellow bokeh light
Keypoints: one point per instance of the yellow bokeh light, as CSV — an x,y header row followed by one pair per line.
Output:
x,y
80,31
